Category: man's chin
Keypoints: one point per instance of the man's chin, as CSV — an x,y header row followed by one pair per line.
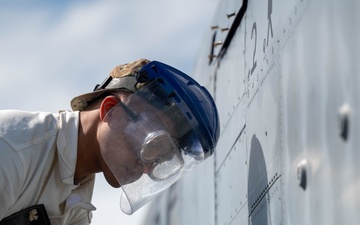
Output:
x,y
115,185
112,181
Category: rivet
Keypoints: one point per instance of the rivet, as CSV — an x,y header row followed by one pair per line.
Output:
x,y
343,121
302,174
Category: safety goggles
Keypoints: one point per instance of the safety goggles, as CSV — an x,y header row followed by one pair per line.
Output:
x,y
162,154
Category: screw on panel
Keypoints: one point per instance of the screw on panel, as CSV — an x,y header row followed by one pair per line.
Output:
x,y
218,43
230,15
343,121
212,57
301,173
224,29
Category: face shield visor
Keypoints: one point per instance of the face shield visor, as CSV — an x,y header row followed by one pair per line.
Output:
x,y
148,141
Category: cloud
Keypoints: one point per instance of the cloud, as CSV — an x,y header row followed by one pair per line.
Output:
x,y
49,54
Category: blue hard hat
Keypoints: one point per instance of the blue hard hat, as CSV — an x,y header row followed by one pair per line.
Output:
x,y
196,97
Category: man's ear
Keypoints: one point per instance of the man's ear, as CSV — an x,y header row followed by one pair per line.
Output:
x,y
107,104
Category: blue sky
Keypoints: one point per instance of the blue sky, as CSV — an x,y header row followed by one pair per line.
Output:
x,y
51,51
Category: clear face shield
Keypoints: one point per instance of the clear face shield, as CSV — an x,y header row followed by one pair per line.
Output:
x,y
148,141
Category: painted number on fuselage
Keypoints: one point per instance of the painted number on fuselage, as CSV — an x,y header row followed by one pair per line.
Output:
x,y
254,61
254,77
266,40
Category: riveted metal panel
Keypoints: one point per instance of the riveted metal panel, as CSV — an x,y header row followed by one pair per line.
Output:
x,y
287,89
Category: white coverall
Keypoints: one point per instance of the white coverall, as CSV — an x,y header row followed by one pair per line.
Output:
x,y
37,165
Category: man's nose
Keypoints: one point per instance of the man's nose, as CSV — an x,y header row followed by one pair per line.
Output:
x,y
147,167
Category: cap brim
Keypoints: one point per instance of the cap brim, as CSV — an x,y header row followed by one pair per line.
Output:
x,y
80,102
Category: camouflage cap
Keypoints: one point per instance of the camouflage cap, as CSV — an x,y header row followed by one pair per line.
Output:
x,y
120,78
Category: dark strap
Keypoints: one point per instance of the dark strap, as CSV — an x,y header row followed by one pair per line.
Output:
x,y
127,82
34,215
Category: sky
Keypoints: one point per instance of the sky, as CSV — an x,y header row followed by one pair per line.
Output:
x,y
52,51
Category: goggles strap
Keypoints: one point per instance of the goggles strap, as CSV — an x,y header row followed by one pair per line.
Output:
x,y
132,115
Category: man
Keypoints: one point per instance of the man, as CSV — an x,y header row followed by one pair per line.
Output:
x,y
143,127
